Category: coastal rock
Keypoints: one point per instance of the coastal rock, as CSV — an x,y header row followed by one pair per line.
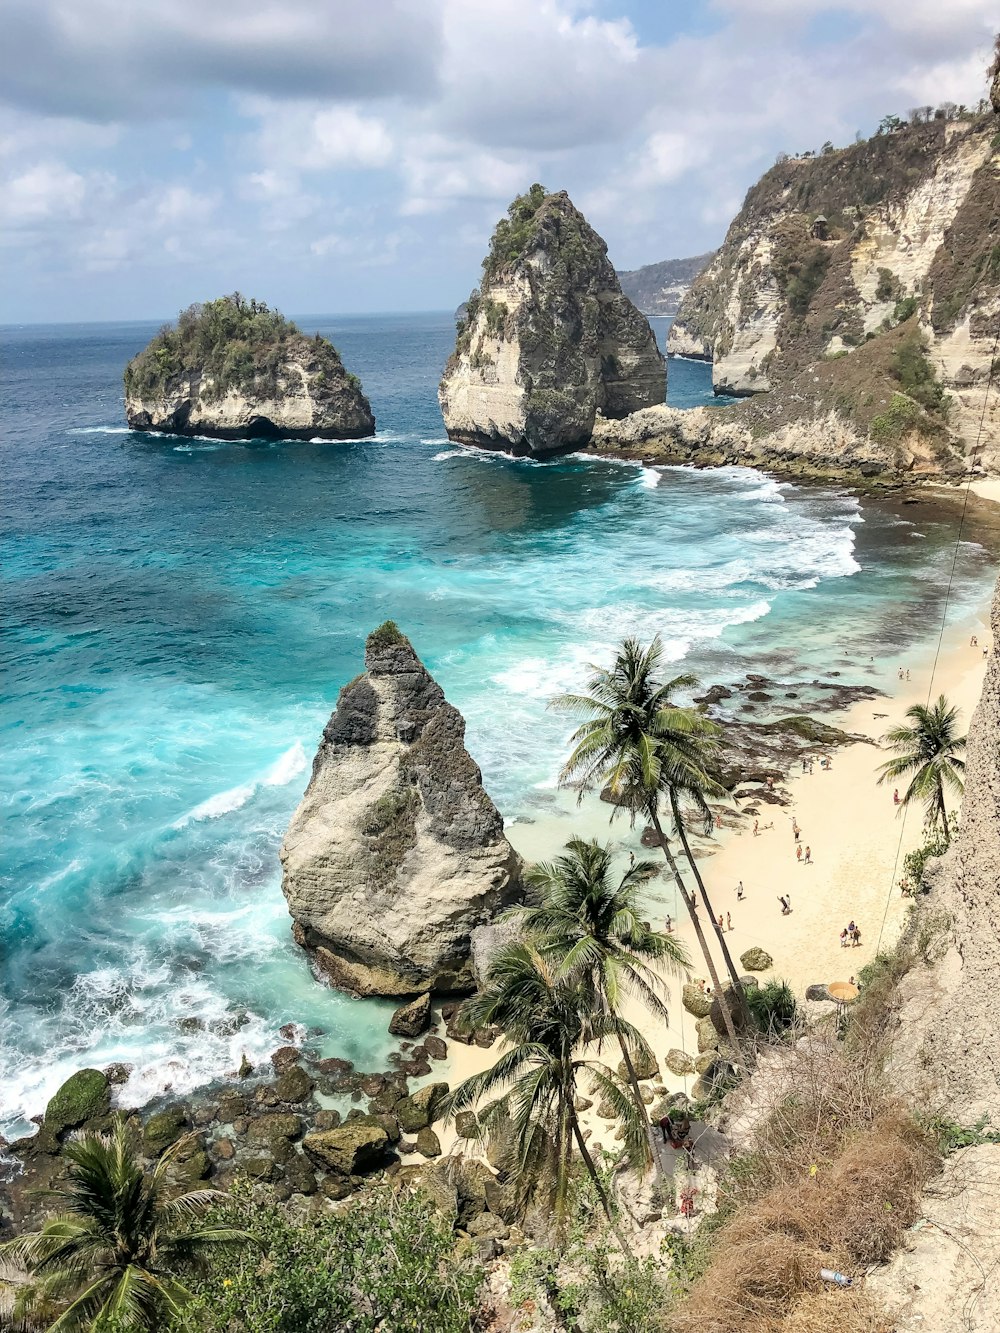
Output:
x,y
549,340
233,369
350,1150
419,1110
756,959
164,1129
695,1001
645,1066
411,1019
428,1143
396,853
832,265
84,1096
679,1062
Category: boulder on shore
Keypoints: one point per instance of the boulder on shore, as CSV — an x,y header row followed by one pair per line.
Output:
x,y
549,340
350,1150
234,369
756,959
396,852
411,1019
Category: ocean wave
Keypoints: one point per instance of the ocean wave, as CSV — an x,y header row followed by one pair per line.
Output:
x,y
288,766
649,478
99,430
447,453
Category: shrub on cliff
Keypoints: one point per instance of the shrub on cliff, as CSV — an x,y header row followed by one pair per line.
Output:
x,y
233,342
388,1263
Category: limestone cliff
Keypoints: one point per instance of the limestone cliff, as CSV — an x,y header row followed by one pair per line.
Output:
x,y
549,340
832,254
396,853
235,369
659,289
947,1051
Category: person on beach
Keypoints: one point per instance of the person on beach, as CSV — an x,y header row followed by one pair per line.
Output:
x,y
718,821
798,854
786,905
974,642
900,673
809,856
796,831
907,673
856,939
843,938
739,892
719,922
756,828
729,921
895,796
669,925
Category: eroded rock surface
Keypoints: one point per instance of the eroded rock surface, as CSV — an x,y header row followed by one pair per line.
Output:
x,y
549,341
396,853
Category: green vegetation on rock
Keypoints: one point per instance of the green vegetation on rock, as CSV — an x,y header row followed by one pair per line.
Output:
x,y
231,343
84,1096
387,635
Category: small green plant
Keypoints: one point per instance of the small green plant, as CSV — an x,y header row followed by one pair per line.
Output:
x,y
903,309
387,635
951,1136
915,862
773,1008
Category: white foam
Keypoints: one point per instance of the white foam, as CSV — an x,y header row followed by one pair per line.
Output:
x,y
448,453
650,478
99,430
288,766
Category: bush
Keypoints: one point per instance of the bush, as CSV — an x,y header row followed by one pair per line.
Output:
x,y
512,233
901,416
773,1008
915,862
233,343
387,1263
888,285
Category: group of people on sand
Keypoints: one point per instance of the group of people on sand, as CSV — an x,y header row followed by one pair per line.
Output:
x,y
850,936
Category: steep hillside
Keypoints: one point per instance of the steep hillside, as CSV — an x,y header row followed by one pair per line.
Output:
x,y
836,261
659,289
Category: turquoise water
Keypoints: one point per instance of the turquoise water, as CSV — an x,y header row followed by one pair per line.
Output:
x,y
180,616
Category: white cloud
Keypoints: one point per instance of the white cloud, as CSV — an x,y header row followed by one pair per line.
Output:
x,y
43,191
309,137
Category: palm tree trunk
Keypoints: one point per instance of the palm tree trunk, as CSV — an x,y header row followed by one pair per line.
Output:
x,y
734,975
944,813
637,1094
692,911
602,1193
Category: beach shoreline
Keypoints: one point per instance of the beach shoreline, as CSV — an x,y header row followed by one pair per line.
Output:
x,y
856,836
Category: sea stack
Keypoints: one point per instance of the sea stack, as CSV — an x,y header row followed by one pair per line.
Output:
x,y
396,854
549,340
235,369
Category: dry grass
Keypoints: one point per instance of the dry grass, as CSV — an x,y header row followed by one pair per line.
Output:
x,y
833,1178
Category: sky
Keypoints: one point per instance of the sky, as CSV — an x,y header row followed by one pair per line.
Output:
x,y
354,155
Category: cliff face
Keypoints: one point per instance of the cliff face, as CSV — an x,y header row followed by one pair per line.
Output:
x,y
659,289
549,340
830,254
235,369
947,1050
396,854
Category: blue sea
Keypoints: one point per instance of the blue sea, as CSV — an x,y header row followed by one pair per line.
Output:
x,y
180,615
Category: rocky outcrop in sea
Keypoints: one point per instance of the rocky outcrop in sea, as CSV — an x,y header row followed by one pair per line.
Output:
x,y
234,369
396,853
548,341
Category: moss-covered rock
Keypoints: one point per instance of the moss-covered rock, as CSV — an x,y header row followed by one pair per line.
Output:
x,y
419,1109
84,1096
756,959
428,1143
350,1150
644,1064
708,1037
278,1125
163,1129
293,1086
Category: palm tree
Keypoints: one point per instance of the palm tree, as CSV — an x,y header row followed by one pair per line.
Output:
x,y
591,927
929,751
529,1116
641,745
112,1259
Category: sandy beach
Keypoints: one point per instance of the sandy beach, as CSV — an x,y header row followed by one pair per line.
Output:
x,y
856,836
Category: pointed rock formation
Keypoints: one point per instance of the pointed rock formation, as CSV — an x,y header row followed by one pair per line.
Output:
x,y
396,853
549,340
234,369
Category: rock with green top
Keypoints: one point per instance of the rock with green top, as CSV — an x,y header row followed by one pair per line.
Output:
x,y
233,368
419,1109
278,1125
549,340
163,1129
756,959
83,1097
708,1037
644,1064
350,1150
293,1086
